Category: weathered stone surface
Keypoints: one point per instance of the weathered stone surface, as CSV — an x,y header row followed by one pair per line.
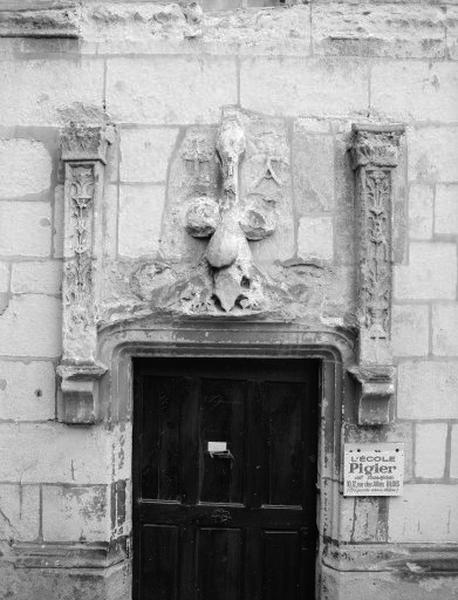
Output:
x,y
451,23
4,277
140,217
368,29
33,91
302,87
202,217
164,28
412,520
36,277
76,513
433,154
39,18
410,330
260,32
25,168
454,453
430,274
145,154
344,189
315,238
55,453
367,523
58,229
170,90
446,209
420,212
444,329
361,585
31,313
110,214
313,170
427,390
27,390
19,512
417,91
430,449
25,228
66,584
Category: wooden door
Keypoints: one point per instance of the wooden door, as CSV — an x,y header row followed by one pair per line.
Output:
x,y
225,479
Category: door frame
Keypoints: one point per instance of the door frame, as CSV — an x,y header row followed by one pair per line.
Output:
x,y
121,343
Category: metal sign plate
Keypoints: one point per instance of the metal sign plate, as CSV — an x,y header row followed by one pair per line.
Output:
x,y
373,469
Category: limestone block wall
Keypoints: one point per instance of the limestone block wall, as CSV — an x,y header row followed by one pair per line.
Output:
x,y
154,73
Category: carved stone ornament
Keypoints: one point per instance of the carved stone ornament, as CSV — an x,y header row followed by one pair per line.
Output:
x,y
227,245
84,154
229,222
375,156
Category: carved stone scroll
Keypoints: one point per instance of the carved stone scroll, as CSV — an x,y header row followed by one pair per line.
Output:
x,y
84,155
375,156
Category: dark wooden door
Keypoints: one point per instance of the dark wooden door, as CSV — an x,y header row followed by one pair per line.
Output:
x,y
225,479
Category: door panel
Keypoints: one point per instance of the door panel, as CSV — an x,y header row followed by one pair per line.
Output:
x,y
282,435
160,561
281,557
237,523
219,563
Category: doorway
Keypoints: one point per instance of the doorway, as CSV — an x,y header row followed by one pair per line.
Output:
x,y
224,478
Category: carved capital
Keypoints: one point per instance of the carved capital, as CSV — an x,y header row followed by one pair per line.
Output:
x,y
79,384
375,145
83,142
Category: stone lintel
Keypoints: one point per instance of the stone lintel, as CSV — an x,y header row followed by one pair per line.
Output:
x,y
86,143
376,390
376,145
79,390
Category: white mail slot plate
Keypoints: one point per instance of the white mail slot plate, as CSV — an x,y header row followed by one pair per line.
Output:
x,y
373,469
216,447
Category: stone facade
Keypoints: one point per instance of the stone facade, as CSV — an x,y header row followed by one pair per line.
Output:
x,y
271,180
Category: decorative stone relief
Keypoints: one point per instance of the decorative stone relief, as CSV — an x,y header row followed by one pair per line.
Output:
x,y
84,155
228,194
375,155
228,237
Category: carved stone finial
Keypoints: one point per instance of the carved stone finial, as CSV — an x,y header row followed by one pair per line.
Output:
x,y
375,155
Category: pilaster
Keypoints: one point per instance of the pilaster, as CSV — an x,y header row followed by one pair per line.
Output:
x,y
84,151
375,156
